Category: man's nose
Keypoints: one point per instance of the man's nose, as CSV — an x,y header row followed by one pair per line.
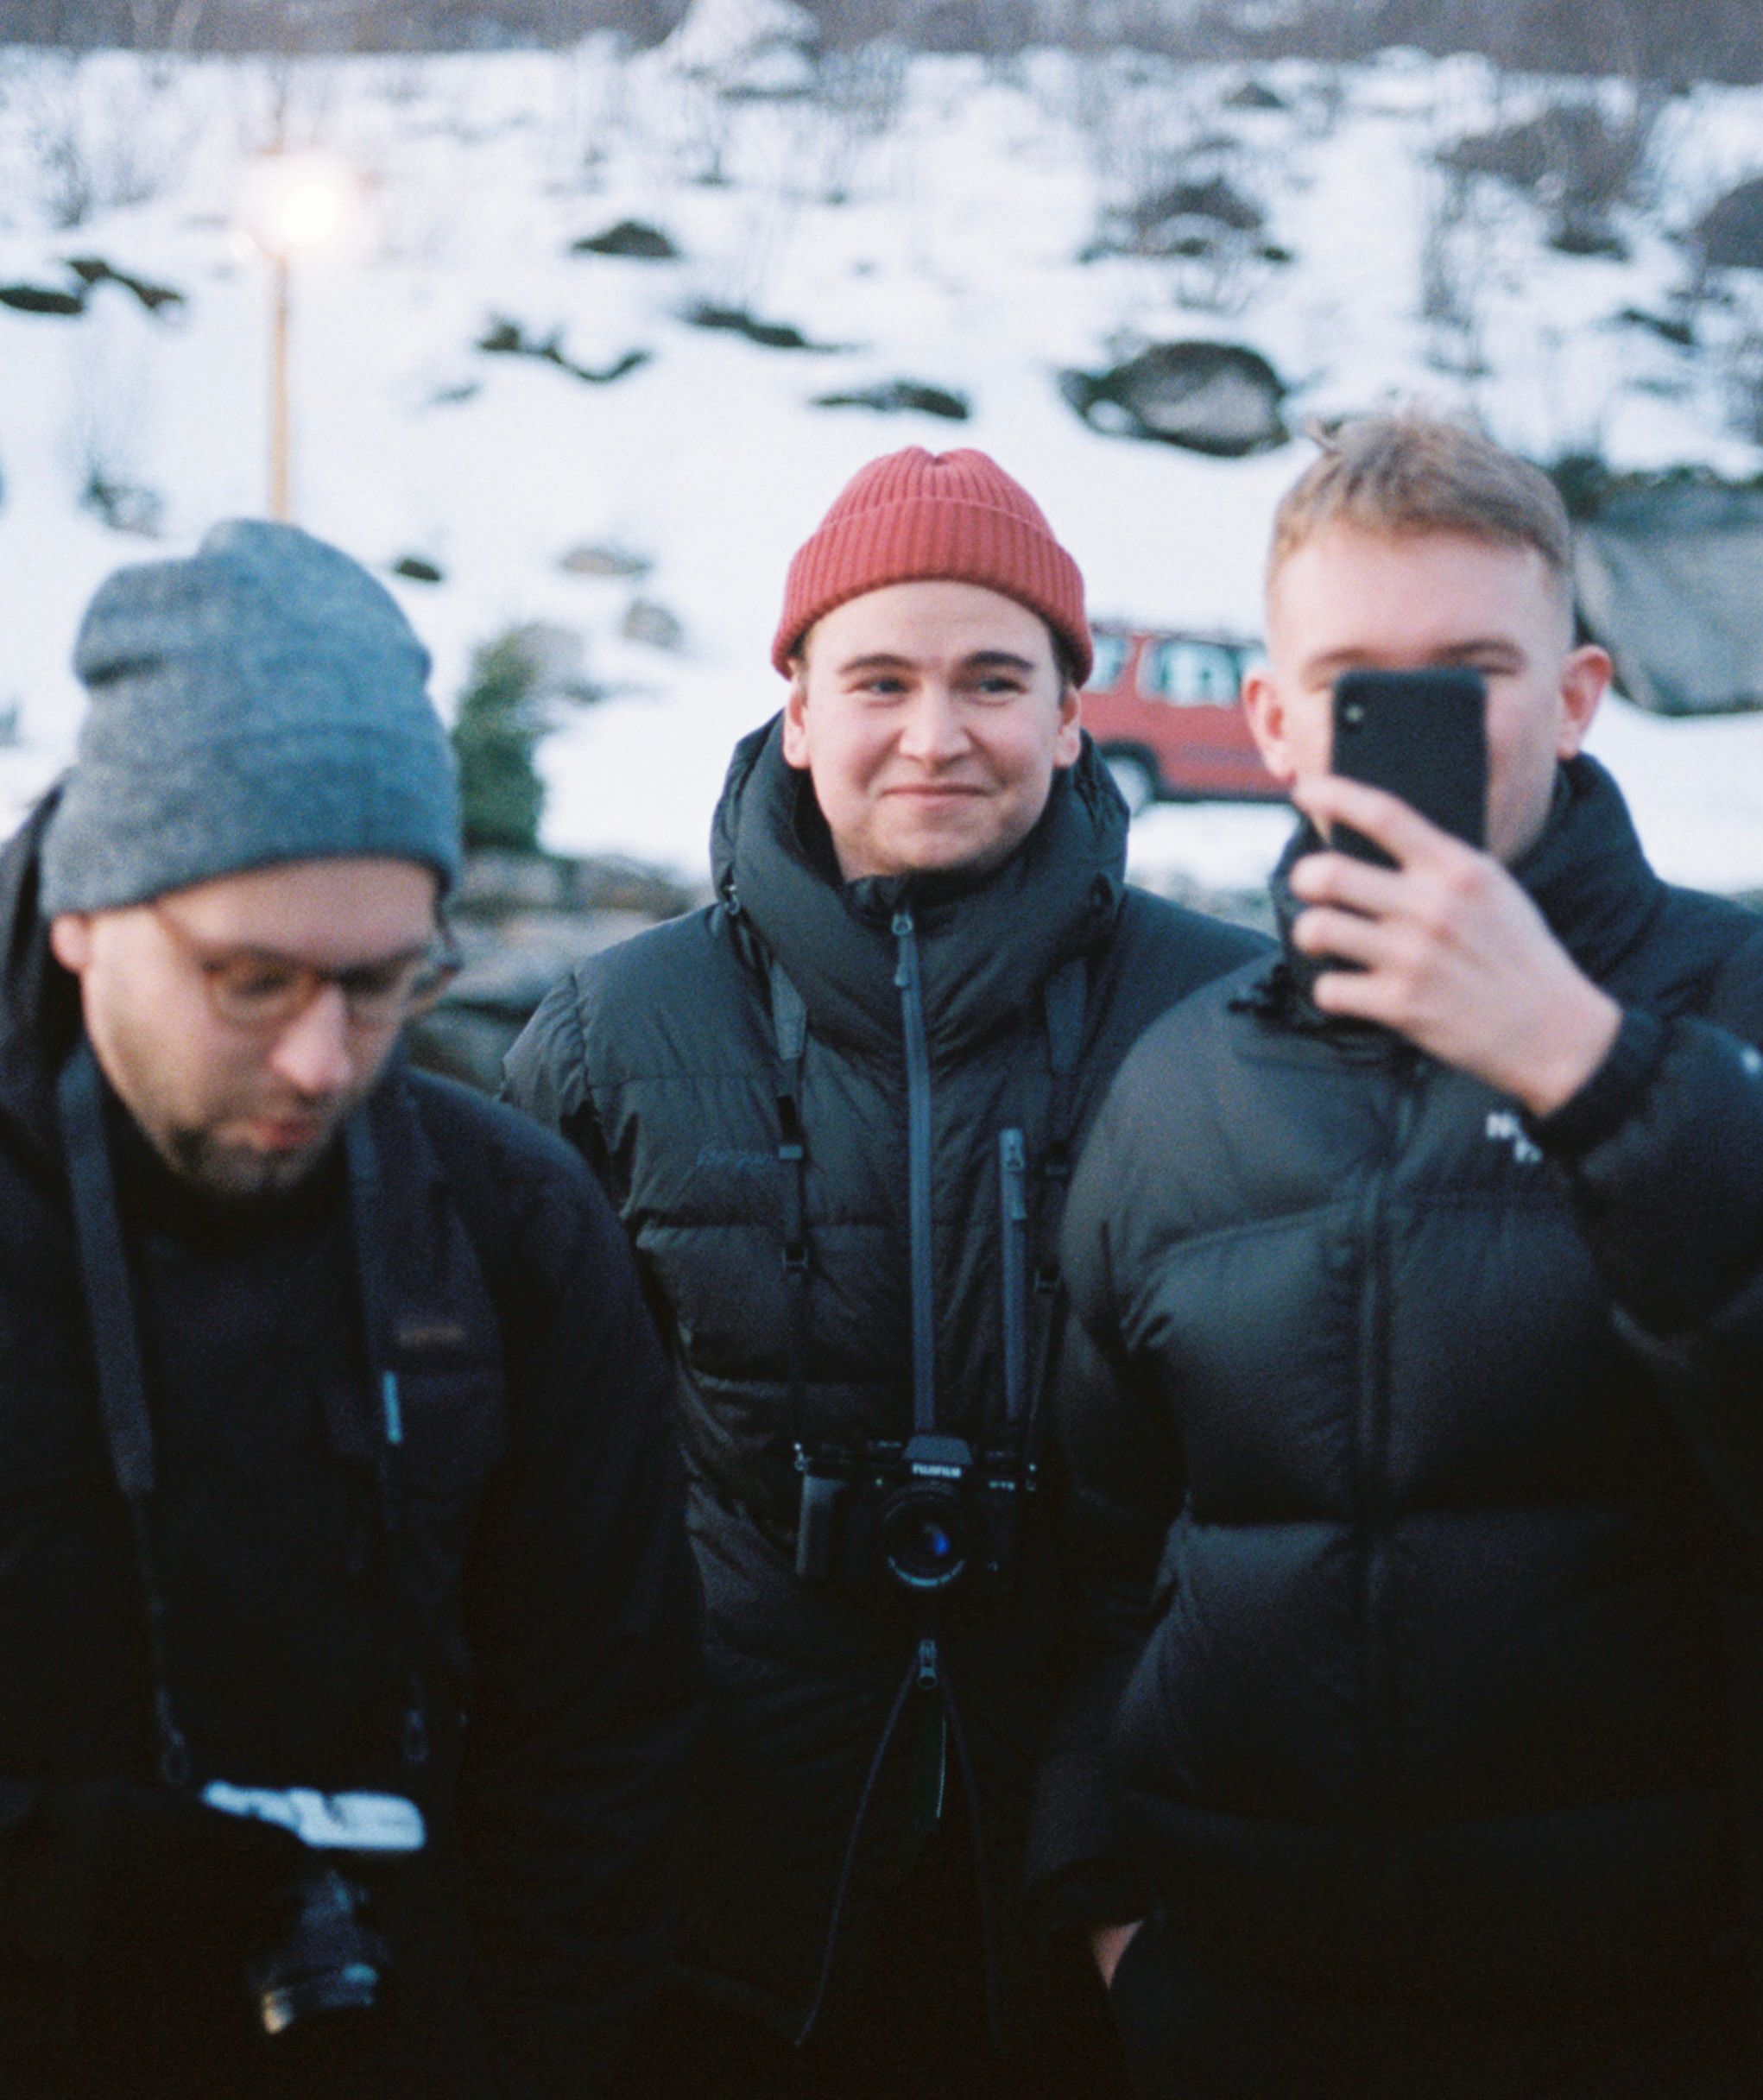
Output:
x,y
313,1052
935,729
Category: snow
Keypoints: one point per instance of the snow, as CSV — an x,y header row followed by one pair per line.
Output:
x,y
966,192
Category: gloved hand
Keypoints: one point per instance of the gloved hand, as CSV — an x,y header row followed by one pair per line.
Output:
x,y
127,1915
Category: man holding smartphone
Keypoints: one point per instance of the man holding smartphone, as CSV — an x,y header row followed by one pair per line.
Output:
x,y
1410,1405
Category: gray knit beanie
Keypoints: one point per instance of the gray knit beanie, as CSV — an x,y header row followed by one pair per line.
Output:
x,y
262,701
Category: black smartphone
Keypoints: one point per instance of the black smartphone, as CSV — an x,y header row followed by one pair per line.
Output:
x,y
1418,735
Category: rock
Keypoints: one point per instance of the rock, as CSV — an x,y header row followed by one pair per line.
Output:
x,y
615,561
1666,569
631,238
771,335
1578,164
522,920
125,506
898,397
1219,398
93,269
1730,233
1186,219
1255,95
1559,140
510,966
1670,327
652,625
1588,234
419,570
502,338
42,299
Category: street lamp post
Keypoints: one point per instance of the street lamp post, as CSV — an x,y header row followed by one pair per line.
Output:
x,y
293,203
281,433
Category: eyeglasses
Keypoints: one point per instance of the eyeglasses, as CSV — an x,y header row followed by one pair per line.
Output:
x,y
253,988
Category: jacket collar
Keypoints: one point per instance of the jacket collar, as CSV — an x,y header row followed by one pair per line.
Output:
x,y
39,1001
988,942
1587,875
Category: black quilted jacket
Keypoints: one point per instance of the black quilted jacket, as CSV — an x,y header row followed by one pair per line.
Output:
x,y
1412,1444
660,1060
552,1597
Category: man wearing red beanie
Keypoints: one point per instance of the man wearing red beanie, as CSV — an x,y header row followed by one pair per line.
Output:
x,y
836,1110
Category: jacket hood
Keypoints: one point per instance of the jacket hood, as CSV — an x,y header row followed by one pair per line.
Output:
x,y
39,1001
988,941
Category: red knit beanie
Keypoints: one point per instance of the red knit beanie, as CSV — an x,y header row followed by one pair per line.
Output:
x,y
915,516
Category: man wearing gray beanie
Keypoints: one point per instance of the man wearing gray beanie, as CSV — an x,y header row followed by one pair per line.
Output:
x,y
346,1623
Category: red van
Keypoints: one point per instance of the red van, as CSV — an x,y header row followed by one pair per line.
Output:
x,y
1165,712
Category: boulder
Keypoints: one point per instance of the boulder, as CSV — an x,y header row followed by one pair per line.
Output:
x,y
1666,571
736,320
631,238
523,920
1220,398
502,338
652,625
589,559
902,396
42,299
1730,233
1255,95
1184,219
93,269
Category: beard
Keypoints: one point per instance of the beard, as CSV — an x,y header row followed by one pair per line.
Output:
x,y
243,1174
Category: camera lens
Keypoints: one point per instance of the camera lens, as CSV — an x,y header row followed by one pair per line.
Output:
x,y
923,1538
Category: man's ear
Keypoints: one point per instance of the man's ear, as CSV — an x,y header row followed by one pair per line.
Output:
x,y
1585,679
1069,741
1264,707
796,717
70,939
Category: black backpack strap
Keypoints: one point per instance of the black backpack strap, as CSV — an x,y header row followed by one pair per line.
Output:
x,y
108,1288
789,1020
1066,994
1065,997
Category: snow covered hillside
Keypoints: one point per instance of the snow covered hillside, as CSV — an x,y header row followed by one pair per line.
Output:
x,y
921,220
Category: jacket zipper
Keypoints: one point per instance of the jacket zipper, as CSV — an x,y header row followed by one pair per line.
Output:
x,y
1376,1500
907,978
1012,1197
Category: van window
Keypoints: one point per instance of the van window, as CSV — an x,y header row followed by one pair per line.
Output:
x,y
1192,673
1111,662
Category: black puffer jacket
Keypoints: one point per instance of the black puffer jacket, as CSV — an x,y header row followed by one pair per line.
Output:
x,y
660,1060
552,1597
1408,1440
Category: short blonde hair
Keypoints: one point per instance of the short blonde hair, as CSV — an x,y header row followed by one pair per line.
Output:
x,y
1410,471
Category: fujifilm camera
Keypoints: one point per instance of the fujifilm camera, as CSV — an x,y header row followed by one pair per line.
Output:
x,y
926,1515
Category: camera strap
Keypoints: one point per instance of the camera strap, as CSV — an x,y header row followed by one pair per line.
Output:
x,y
789,1020
1065,997
366,1213
108,1289
116,1343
